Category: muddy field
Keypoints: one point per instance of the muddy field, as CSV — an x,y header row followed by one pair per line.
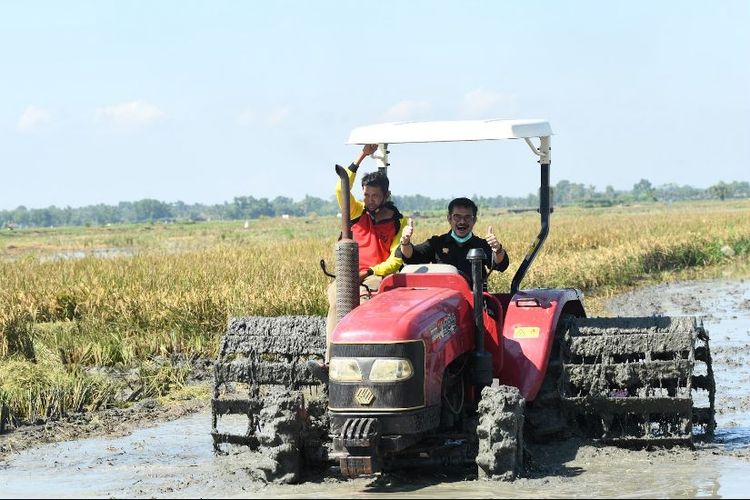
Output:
x,y
175,458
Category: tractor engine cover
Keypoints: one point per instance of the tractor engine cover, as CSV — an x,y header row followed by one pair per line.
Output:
x,y
429,327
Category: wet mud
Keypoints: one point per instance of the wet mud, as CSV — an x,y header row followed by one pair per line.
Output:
x,y
176,458
108,423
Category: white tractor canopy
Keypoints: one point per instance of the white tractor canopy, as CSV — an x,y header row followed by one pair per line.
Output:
x,y
449,131
385,134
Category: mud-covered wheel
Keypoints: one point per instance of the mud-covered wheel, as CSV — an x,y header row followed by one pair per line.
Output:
x,y
292,435
500,433
314,439
261,381
281,423
639,381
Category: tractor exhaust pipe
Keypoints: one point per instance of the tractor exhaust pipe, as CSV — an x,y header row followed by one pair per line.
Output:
x,y
481,360
347,255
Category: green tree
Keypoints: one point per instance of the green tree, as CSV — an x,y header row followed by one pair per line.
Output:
x,y
643,190
151,210
720,190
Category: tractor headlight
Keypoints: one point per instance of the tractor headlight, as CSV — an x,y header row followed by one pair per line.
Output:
x,y
344,370
391,370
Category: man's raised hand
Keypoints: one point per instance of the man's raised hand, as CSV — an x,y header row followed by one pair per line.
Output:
x,y
492,241
408,231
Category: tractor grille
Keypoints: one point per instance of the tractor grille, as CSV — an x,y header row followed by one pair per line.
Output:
x,y
379,396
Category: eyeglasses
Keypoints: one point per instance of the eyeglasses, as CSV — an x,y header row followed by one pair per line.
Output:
x,y
462,218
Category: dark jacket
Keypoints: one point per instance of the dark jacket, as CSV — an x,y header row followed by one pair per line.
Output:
x,y
444,249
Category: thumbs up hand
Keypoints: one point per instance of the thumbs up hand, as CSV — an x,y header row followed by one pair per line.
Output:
x,y
407,232
492,241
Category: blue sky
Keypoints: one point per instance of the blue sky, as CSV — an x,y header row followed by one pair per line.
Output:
x,y
105,101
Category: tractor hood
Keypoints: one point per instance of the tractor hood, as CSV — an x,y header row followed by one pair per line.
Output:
x,y
405,314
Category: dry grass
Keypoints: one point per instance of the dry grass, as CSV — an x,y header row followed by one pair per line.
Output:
x,y
172,288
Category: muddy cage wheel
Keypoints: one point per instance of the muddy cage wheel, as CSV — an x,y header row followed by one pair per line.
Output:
x,y
500,433
631,381
261,373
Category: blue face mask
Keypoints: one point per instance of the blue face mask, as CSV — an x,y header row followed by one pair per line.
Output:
x,y
459,239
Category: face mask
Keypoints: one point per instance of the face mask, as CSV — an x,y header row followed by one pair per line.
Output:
x,y
374,213
459,239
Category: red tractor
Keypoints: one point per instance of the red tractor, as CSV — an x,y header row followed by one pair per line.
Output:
x,y
430,371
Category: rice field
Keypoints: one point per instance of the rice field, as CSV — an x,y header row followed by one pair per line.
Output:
x,y
99,316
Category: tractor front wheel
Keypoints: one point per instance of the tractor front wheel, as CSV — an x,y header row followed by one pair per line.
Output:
x,y
500,433
281,422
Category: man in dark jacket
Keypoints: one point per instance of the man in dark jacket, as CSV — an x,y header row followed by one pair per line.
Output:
x,y
453,246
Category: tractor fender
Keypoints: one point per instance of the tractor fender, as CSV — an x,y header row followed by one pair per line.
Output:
x,y
531,319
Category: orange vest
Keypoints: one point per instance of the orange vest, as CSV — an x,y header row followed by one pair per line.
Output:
x,y
374,239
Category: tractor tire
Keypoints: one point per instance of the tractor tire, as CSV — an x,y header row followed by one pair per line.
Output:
x,y
500,433
259,356
281,422
261,374
315,439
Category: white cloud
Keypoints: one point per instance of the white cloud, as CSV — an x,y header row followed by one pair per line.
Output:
x,y
34,118
479,103
247,117
131,113
279,115
407,110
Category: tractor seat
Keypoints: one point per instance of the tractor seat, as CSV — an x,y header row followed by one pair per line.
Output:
x,y
429,268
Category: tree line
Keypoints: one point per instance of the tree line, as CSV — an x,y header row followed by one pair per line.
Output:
x,y
249,207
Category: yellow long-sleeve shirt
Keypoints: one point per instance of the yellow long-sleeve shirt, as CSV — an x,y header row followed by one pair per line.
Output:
x,y
377,241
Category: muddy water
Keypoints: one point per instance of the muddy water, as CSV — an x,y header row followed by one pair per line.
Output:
x,y
175,459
